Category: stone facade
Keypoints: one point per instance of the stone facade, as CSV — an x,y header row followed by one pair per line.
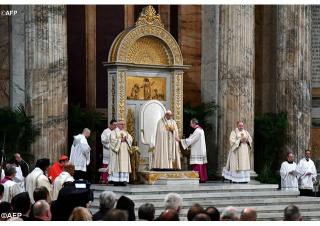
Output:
x,y
46,78
248,59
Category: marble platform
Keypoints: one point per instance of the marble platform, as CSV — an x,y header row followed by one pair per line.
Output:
x,y
169,177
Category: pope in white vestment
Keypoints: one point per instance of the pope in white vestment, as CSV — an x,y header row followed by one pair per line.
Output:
x,y
166,152
80,154
198,155
238,167
119,164
307,174
288,173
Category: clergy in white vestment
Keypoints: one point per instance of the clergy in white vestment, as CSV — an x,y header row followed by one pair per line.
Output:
x,y
11,188
119,164
38,178
166,152
65,176
198,155
307,174
238,167
105,140
288,174
80,154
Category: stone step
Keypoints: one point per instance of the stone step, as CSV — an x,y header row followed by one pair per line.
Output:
x,y
162,189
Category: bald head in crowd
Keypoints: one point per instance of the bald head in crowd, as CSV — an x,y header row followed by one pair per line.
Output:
x,y
86,132
248,214
229,214
41,210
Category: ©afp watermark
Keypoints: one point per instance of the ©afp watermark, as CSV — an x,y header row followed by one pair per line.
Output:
x,y
8,12
10,215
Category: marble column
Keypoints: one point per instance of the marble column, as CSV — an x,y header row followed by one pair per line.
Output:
x,y
236,68
46,78
91,75
209,76
293,74
4,58
17,58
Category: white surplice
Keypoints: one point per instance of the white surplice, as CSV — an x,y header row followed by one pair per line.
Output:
x,y
80,153
105,140
197,142
304,167
289,182
37,179
11,189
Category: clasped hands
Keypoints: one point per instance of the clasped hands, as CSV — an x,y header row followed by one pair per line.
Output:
x,y
123,139
243,140
178,139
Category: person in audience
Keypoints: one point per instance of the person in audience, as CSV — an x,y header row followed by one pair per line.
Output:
x,y
41,211
107,201
146,212
38,178
21,204
230,213
57,168
292,213
201,217
194,210
213,213
65,176
169,215
248,214
288,173
125,203
41,193
80,214
80,154
307,174
70,197
173,201
116,215
11,188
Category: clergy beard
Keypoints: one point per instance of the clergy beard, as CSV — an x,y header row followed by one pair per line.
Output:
x,y
307,159
290,162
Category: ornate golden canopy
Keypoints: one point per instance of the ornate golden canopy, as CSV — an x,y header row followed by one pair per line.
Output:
x,y
146,43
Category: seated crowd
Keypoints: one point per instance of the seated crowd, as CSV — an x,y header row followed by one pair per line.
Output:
x,y
43,198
